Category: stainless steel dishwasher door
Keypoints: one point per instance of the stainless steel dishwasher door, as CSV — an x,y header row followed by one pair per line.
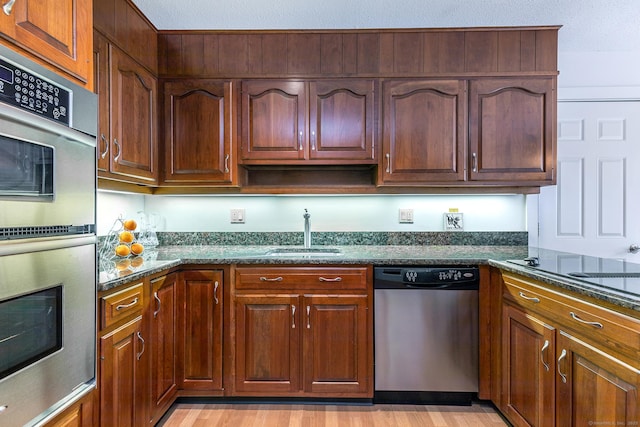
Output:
x,y
426,340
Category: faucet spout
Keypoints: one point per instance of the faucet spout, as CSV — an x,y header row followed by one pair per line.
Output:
x,y
307,229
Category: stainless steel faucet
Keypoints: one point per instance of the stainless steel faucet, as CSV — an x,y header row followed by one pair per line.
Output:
x,y
307,229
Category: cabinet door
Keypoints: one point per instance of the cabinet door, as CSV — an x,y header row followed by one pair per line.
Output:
x,y
198,132
82,413
512,128
274,120
57,31
424,131
528,369
201,314
337,353
101,88
267,344
133,127
593,387
124,367
341,120
163,343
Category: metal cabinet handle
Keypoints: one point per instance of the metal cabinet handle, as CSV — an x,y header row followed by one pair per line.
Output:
x,y
474,162
532,299
139,355
562,356
271,279
106,146
542,350
158,304
226,163
117,144
594,324
388,156
215,292
330,279
293,317
313,140
300,140
8,6
308,317
131,304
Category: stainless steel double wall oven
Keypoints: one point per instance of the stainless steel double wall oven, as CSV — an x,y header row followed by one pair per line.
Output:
x,y
47,241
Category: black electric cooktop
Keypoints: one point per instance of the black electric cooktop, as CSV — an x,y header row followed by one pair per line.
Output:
x,y
615,274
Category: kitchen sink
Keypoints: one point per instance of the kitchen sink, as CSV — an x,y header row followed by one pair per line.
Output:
x,y
304,252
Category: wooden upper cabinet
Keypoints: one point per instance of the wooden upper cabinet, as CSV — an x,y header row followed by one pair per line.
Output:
x,y
273,120
341,120
198,132
133,119
58,32
101,88
424,131
319,121
512,128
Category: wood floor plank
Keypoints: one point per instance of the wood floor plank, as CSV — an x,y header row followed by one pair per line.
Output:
x,y
311,415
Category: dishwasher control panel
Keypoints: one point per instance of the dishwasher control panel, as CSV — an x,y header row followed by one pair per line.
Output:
x,y
425,277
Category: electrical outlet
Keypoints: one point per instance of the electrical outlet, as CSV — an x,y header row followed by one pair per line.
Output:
x,y
405,216
237,216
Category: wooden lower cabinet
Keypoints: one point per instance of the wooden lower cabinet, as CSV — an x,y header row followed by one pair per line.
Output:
x,y
594,388
564,360
162,315
200,317
124,376
294,340
528,375
81,414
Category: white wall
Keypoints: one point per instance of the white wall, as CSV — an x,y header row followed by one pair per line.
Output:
x,y
328,213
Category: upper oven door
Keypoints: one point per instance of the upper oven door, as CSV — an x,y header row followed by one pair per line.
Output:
x,y
48,174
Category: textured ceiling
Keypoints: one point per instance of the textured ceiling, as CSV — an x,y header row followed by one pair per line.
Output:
x,y
587,25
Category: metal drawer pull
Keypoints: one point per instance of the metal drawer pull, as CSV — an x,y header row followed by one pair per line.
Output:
x,y
131,304
139,355
544,348
474,164
300,140
274,279
117,144
532,299
594,324
106,146
155,296
215,292
388,156
562,356
226,163
8,6
308,317
313,140
335,279
293,317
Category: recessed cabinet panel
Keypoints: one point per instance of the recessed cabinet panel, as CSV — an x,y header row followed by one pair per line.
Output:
x,y
424,131
198,127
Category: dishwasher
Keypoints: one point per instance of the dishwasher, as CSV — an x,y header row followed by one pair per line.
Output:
x,y
426,334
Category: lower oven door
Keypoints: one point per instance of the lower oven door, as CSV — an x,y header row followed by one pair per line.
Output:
x,y
47,326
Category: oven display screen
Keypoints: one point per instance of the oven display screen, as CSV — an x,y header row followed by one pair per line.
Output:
x,y
6,75
30,329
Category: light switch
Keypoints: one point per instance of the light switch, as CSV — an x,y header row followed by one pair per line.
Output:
x,y
237,216
405,216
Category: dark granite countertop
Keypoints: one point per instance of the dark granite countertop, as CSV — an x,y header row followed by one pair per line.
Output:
x,y
165,257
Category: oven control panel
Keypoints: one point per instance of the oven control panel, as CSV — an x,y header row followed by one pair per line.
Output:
x,y
26,90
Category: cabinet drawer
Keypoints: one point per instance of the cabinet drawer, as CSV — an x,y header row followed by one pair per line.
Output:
x,y
301,278
615,331
120,305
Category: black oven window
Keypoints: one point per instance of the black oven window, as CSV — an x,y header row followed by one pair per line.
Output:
x,y
30,329
26,169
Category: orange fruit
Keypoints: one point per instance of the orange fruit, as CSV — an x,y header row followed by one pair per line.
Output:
x,y
137,248
122,250
137,261
126,236
129,224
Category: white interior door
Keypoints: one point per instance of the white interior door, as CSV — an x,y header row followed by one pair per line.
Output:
x,y
595,208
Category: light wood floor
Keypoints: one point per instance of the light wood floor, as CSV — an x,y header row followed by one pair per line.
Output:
x,y
282,415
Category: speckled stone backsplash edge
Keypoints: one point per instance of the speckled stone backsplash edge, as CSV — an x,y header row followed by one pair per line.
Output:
x,y
518,238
